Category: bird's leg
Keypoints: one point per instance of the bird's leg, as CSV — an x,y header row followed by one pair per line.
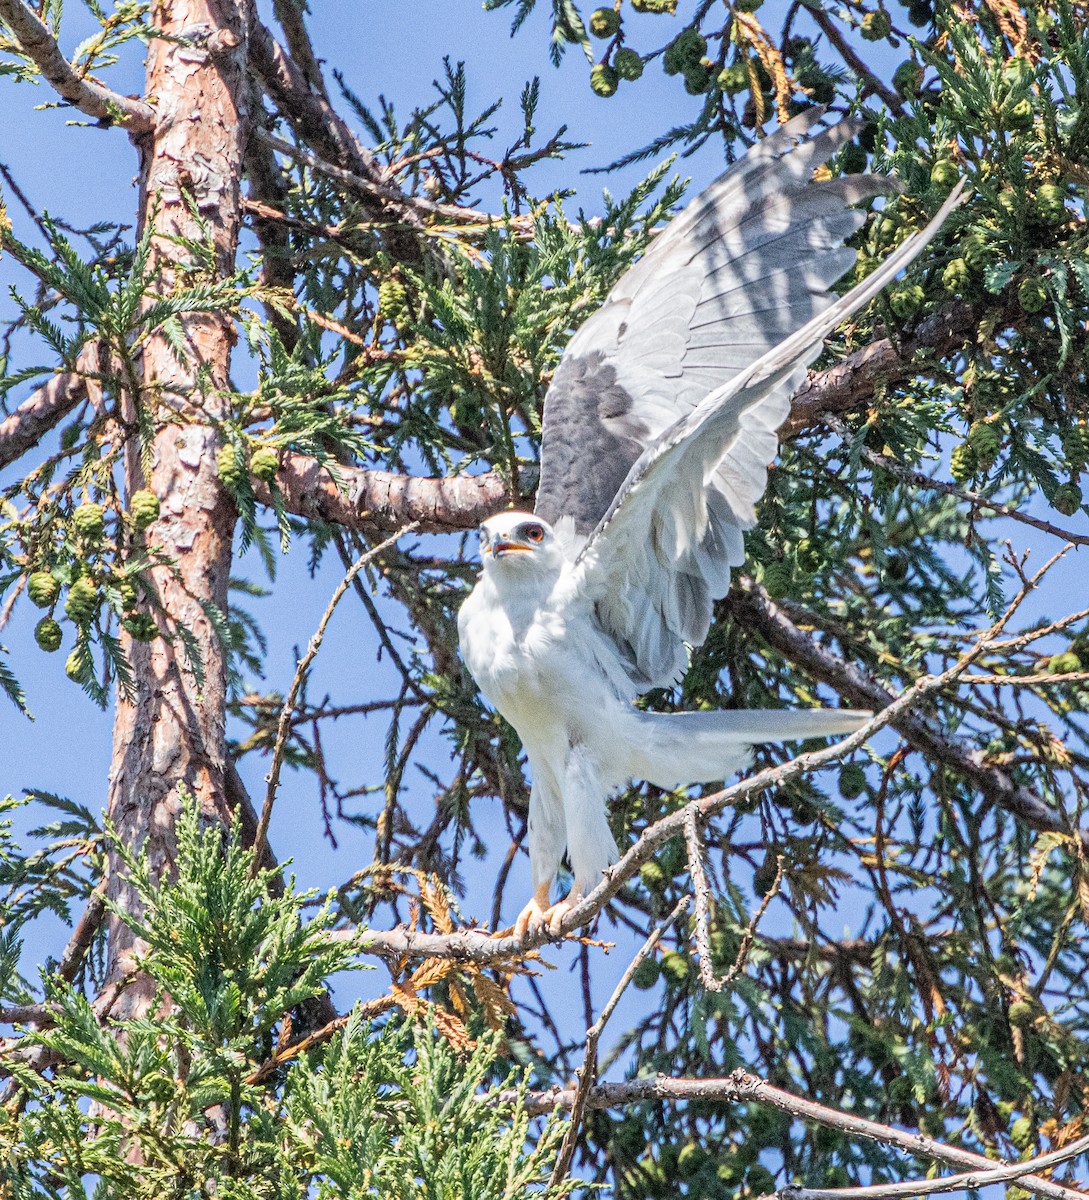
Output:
x,y
536,913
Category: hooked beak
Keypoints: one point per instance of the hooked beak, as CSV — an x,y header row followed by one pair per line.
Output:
x,y
501,548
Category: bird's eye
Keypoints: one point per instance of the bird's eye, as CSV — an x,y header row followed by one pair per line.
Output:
x,y
535,533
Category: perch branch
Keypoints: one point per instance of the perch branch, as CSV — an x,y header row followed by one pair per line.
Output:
x,y
480,947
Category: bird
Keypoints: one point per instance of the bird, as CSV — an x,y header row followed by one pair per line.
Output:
x,y
658,428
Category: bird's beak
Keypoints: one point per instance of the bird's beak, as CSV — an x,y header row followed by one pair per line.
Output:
x,y
500,548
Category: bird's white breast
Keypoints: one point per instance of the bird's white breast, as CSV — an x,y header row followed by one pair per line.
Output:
x,y
523,642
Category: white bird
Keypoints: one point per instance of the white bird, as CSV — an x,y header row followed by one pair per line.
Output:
x,y
658,429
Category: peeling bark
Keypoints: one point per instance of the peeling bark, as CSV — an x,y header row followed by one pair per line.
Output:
x,y
38,414
170,737
370,500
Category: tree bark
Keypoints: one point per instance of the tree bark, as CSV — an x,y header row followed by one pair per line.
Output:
x,y
169,737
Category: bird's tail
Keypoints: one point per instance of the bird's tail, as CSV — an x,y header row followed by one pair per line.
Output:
x,y
673,750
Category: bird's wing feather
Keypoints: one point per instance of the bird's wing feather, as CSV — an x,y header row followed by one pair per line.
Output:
x,y
661,553
749,261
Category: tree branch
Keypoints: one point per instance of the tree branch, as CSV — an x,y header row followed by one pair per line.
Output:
x,y
871,82
39,45
751,607
287,711
587,1074
364,187
383,500
40,412
323,129
742,1088
970,1181
847,384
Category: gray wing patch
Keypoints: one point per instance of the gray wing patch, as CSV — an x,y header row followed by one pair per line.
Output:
x,y
590,440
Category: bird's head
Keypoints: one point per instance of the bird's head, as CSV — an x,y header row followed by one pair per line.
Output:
x,y
519,541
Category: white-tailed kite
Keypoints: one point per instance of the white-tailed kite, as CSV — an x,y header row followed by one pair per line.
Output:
x,y
658,430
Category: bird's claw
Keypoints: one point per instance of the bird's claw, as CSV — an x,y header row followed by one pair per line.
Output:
x,y
539,914
530,919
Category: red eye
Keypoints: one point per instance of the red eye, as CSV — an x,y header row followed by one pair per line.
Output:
x,y
535,533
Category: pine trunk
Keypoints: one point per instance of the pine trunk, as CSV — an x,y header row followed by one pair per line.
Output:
x,y
169,737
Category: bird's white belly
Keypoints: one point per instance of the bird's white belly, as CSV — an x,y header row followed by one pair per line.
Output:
x,y
533,675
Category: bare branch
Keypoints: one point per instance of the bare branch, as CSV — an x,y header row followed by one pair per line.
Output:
x,y
969,1181
290,15
39,45
83,935
369,500
588,1072
39,413
310,113
741,1087
701,891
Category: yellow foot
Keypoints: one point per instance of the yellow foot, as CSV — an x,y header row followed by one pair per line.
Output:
x,y
538,913
535,913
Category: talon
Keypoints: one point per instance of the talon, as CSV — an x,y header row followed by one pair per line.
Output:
x,y
559,910
556,914
535,914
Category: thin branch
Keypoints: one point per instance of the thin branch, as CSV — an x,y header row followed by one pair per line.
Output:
x,y
363,186
743,1088
869,80
701,891
587,1074
976,499
1027,680
371,1008
45,1014
39,45
84,934
969,1181
749,936
290,15
311,115
288,710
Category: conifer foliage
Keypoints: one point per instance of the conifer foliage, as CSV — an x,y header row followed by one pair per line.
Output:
x,y
862,964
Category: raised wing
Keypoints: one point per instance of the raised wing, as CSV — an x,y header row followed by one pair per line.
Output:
x,y
662,552
748,262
